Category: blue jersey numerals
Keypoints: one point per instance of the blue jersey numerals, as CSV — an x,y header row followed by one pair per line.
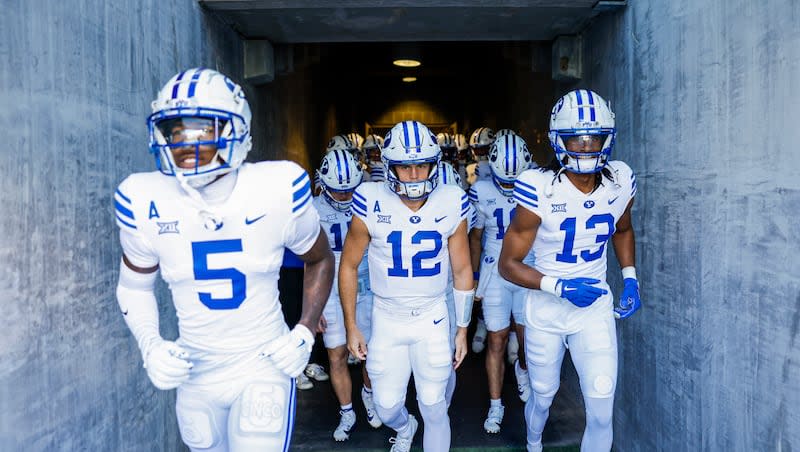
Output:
x,y
396,240
501,224
568,226
200,252
338,236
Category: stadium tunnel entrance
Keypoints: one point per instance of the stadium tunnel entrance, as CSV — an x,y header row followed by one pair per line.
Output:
x,y
318,72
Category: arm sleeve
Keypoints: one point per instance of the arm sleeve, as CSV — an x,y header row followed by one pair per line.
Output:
x,y
526,193
139,307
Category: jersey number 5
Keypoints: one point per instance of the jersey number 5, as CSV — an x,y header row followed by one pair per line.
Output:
x,y
200,252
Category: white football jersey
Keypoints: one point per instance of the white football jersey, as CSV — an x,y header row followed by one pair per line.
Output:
x,y
222,268
375,172
409,262
495,212
336,223
576,227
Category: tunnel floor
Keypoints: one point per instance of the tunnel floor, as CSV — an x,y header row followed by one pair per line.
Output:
x,y
317,417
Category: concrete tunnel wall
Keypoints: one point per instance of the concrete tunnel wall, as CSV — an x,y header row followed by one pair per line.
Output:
x,y
77,80
706,96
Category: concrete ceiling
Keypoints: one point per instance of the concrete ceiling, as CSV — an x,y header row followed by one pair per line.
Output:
x,y
305,21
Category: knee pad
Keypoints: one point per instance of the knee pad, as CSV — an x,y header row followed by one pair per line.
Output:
x,y
197,422
544,388
387,391
262,417
599,412
432,363
433,413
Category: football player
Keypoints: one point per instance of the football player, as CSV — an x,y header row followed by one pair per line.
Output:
x,y
461,157
340,174
204,221
416,232
569,212
479,143
372,151
508,158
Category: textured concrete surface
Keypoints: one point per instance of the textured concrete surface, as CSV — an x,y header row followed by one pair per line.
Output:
x,y
77,79
706,96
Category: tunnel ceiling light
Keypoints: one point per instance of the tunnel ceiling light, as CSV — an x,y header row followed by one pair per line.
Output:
x,y
407,63
409,79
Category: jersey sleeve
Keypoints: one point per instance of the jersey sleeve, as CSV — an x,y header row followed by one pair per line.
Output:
x,y
472,222
302,228
526,192
136,247
480,221
625,178
359,205
301,192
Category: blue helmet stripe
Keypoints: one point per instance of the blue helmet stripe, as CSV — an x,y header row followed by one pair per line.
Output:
x,y
580,104
177,84
591,105
346,168
406,144
514,146
193,84
417,141
505,140
338,166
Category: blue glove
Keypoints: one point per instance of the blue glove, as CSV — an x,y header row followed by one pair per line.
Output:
x,y
629,302
580,291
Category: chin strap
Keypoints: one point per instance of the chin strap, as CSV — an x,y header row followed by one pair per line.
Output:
x,y
212,220
548,190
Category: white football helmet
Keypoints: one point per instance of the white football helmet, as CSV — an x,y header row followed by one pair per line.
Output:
x,y
448,175
508,158
479,142
447,144
201,97
410,142
372,148
339,172
584,116
342,143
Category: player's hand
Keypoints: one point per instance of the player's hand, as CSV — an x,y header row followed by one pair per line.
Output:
x,y
580,291
356,344
461,347
629,302
323,324
167,365
290,352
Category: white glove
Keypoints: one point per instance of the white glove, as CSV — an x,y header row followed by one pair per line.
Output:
x,y
167,365
290,352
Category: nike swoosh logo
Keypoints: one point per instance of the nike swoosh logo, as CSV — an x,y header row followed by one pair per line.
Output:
x,y
302,343
439,219
436,322
125,312
611,201
249,221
